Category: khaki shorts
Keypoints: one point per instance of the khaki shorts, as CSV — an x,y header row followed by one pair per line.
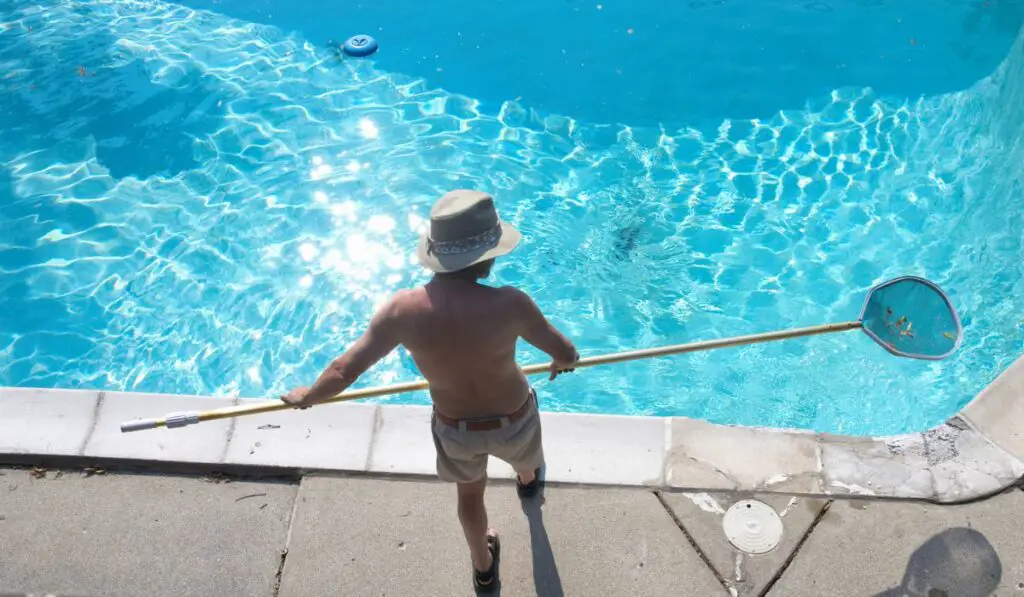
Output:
x,y
462,455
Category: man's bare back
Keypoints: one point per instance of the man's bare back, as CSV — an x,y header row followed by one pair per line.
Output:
x,y
462,336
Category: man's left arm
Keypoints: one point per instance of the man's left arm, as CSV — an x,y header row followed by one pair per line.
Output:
x,y
379,339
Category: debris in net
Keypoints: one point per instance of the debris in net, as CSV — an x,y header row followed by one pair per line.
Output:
x,y
251,495
91,470
38,472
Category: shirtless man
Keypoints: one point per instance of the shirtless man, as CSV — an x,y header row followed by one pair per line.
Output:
x,y
462,336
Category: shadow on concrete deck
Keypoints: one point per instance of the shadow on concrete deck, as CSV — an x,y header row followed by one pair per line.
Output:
x,y
959,561
545,570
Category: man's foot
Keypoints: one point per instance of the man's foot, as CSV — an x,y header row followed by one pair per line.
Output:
x,y
528,490
487,581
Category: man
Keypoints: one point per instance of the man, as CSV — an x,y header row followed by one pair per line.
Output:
x,y
462,336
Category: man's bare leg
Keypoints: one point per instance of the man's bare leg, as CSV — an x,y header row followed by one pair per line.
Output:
x,y
473,516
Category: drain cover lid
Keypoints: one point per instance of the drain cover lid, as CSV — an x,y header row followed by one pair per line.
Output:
x,y
752,526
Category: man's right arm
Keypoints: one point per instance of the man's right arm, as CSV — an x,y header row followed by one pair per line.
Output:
x,y
538,331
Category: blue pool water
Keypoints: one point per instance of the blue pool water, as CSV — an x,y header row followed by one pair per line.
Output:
x,y
206,199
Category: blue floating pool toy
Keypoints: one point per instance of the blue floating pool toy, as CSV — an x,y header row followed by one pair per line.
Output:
x,y
359,46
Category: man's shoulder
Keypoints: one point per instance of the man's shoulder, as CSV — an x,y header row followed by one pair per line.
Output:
x,y
406,298
511,293
397,310
517,303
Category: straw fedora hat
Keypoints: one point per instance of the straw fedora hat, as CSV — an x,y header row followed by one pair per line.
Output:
x,y
465,230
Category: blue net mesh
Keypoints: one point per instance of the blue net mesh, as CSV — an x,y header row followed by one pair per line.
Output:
x,y
911,317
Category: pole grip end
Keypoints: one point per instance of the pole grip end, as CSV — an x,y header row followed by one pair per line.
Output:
x,y
139,425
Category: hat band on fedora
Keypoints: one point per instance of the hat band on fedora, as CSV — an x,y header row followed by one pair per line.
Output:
x,y
464,245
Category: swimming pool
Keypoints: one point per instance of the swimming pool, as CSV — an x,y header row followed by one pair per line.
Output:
x,y
212,202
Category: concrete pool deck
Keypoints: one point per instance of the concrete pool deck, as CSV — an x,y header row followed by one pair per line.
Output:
x,y
80,533
342,500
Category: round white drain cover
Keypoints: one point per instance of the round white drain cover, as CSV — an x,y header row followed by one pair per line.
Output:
x,y
752,526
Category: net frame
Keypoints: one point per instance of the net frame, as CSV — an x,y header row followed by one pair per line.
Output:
x,y
891,348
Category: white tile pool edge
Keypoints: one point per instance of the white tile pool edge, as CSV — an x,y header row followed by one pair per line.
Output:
x,y
976,453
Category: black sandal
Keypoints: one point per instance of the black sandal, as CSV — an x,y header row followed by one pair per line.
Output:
x,y
487,582
528,490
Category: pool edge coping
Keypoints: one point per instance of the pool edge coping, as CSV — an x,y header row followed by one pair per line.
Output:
x,y
974,454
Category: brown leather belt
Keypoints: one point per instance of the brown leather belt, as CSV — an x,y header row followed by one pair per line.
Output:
x,y
487,424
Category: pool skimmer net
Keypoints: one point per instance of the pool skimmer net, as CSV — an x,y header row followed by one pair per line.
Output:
x,y
752,526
